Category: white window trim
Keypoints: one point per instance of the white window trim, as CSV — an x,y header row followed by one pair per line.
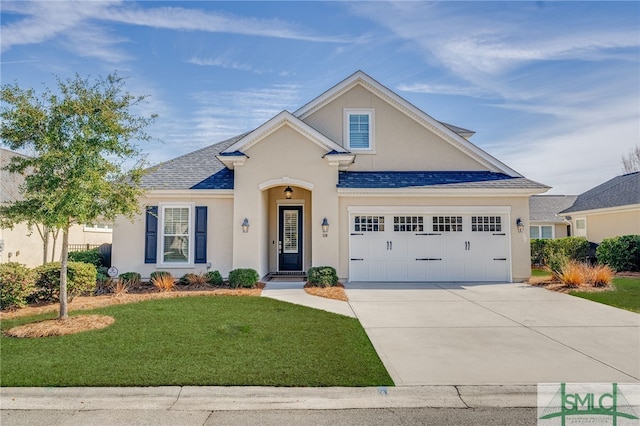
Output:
x,y
372,126
577,232
161,209
93,228
539,226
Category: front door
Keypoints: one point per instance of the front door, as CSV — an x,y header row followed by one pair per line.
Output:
x,y
290,238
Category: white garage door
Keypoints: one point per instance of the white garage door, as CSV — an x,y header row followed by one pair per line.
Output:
x,y
429,247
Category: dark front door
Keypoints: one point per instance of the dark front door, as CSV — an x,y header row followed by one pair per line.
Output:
x,y
290,238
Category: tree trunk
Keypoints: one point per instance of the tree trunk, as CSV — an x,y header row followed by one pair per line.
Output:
x,y
44,235
53,247
63,273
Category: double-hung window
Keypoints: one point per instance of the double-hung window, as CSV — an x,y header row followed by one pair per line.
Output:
x,y
176,234
359,129
544,232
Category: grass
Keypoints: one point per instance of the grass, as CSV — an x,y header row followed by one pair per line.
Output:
x,y
219,340
540,273
624,295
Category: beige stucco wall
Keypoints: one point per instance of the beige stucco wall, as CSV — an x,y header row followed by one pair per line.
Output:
x,y
520,246
26,247
283,158
601,225
400,142
128,238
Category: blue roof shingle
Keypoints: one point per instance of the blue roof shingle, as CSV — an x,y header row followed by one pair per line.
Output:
x,y
414,179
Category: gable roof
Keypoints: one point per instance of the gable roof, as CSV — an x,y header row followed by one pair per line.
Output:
x,y
282,119
435,126
189,170
545,208
620,191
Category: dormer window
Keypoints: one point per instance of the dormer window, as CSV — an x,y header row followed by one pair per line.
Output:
x,y
359,129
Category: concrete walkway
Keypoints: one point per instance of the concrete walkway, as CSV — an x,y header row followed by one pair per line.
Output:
x,y
293,292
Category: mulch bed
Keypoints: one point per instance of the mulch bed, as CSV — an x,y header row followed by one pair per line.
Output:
x,y
138,294
57,327
337,292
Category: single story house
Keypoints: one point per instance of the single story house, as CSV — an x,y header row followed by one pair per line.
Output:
x,y
544,220
23,244
358,179
608,210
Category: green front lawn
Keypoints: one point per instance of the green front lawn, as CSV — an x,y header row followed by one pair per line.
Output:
x,y
206,340
624,295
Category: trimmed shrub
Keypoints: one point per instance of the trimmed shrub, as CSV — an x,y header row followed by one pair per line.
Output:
x,y
132,277
555,262
92,257
214,278
81,279
574,248
17,283
323,276
243,277
620,253
537,251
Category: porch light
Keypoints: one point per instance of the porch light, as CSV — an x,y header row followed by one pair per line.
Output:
x,y
288,192
245,225
520,225
325,227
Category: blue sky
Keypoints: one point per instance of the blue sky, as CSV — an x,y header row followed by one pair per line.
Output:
x,y
551,88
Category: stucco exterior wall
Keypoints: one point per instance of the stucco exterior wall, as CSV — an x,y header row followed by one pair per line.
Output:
x,y
128,238
520,246
601,225
285,157
26,247
400,142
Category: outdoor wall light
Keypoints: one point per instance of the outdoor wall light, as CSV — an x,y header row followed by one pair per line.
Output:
x,y
245,225
288,192
325,227
519,225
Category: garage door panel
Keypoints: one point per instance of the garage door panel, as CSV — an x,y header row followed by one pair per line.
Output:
x,y
427,247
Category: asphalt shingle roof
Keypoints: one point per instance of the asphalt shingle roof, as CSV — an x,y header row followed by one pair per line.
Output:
x,y
436,179
620,191
9,182
545,208
195,169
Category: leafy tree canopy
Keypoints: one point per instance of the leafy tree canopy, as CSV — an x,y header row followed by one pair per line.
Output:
x,y
80,138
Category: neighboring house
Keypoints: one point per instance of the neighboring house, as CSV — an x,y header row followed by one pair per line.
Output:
x,y
23,244
358,179
545,222
608,210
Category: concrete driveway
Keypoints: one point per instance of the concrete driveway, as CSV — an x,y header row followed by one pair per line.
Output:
x,y
466,334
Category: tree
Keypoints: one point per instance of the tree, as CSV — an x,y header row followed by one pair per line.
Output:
x,y
631,161
80,139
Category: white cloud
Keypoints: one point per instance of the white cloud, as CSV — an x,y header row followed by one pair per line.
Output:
x,y
223,62
442,89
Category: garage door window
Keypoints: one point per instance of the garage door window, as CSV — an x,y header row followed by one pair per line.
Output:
x,y
408,224
486,224
368,224
447,223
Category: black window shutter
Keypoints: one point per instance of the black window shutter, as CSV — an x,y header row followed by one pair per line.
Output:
x,y
151,235
201,235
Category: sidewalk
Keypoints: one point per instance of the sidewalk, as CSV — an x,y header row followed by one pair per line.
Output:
x,y
218,398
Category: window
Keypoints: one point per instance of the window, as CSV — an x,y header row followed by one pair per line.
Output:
x,y
176,226
358,130
486,224
290,231
581,223
408,224
447,223
541,232
98,227
368,224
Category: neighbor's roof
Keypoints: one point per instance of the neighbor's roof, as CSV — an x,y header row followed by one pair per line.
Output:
x,y
189,171
436,179
545,208
620,191
9,182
